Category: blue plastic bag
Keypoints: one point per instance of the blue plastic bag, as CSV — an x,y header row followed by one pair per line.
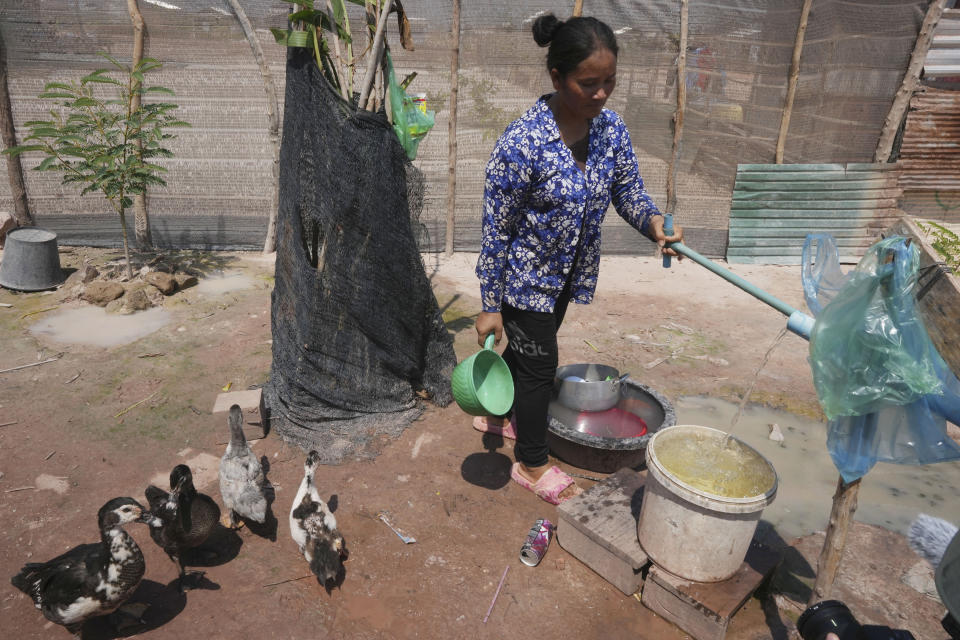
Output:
x,y
885,389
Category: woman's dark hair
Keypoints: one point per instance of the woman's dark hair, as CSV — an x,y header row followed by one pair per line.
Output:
x,y
572,41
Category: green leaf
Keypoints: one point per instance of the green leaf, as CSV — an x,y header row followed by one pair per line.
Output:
x,y
158,90
23,148
85,102
147,64
46,164
306,15
55,94
59,85
43,132
101,79
113,61
38,123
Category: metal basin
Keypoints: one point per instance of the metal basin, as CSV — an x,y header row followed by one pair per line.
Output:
x,y
605,441
587,387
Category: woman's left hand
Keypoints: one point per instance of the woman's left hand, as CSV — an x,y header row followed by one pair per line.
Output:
x,y
656,232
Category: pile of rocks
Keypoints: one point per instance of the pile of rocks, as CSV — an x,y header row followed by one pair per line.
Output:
x,y
110,287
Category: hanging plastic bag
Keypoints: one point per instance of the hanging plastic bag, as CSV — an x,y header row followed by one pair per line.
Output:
x,y
410,123
869,348
886,390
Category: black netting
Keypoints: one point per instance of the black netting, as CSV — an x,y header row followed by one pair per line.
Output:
x,y
356,328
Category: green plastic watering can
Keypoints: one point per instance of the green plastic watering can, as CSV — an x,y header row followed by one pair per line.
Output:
x,y
482,384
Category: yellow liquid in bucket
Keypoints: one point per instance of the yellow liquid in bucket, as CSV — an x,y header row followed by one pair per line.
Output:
x,y
703,461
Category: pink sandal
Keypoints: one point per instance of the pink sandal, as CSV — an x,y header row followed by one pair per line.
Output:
x,y
508,430
550,485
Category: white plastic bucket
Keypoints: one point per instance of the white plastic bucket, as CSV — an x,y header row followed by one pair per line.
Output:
x,y
689,532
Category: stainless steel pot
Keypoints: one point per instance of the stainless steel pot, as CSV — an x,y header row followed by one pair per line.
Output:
x,y
588,387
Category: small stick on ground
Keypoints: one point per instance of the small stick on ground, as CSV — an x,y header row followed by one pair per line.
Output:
x,y
273,584
497,594
33,313
150,355
50,455
585,477
5,304
33,364
135,404
73,378
19,489
7,424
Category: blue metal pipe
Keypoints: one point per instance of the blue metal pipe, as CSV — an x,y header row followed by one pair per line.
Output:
x,y
799,322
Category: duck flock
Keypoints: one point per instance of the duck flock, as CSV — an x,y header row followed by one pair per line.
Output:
x,y
96,579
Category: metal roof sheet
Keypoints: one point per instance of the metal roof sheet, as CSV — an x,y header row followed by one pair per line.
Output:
x,y
930,151
775,206
943,58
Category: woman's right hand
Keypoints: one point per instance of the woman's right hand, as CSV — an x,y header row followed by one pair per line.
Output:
x,y
489,322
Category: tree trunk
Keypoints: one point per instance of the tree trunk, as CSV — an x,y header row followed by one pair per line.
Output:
x,y
126,244
844,504
141,219
681,107
577,8
792,81
375,54
452,130
21,208
273,117
910,80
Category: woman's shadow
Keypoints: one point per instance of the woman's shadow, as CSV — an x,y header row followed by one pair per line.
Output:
x,y
490,469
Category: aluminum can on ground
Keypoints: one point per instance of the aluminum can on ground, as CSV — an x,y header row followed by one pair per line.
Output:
x,y
538,539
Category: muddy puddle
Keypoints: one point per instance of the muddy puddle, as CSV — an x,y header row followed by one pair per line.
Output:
x,y
223,283
95,327
890,496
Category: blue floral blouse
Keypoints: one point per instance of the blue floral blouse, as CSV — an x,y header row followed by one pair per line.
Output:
x,y
537,202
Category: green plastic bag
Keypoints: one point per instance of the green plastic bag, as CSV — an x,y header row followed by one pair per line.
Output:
x,y
868,348
409,122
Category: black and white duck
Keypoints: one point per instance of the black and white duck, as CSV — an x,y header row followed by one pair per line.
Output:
x,y
314,527
241,477
92,579
185,518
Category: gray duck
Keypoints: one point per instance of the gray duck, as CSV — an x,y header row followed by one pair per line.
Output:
x,y
241,477
185,518
91,579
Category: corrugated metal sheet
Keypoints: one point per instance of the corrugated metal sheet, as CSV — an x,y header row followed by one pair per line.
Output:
x,y
775,206
943,58
930,152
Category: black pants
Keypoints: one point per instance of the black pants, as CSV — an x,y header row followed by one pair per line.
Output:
x,y
532,358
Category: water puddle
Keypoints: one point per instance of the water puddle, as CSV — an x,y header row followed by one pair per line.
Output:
x,y
224,283
94,326
891,495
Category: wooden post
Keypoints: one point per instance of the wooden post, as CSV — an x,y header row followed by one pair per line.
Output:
x,y
792,82
452,129
681,107
273,118
844,504
578,8
21,208
910,80
141,221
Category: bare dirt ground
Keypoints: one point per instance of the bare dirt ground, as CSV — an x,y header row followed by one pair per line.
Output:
x,y
68,449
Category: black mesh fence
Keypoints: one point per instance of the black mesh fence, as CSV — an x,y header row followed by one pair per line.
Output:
x,y
356,329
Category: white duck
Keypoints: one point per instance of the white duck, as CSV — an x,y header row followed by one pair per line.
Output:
x,y
314,527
